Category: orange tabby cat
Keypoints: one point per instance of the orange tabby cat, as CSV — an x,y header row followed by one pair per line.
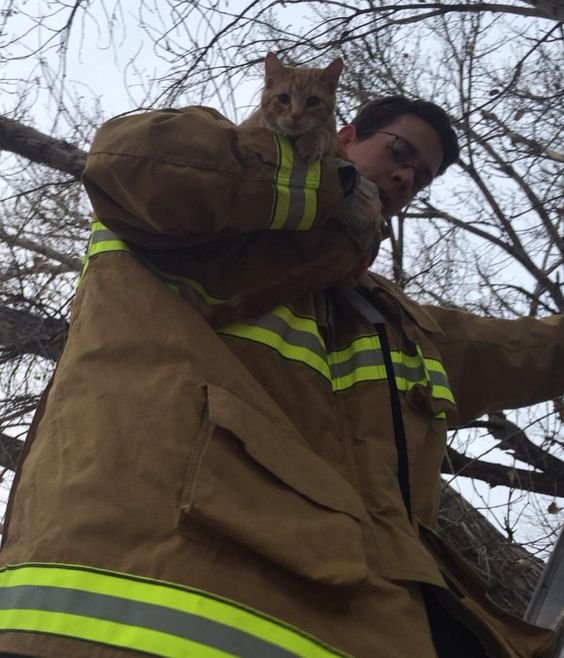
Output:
x,y
299,103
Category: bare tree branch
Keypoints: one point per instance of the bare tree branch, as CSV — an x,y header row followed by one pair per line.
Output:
x,y
535,148
426,10
22,332
520,255
71,262
553,9
497,474
468,251
10,451
29,143
536,205
514,439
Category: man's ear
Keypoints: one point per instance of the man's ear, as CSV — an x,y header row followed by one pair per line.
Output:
x,y
346,135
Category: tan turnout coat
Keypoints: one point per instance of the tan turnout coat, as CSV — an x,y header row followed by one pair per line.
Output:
x,y
187,492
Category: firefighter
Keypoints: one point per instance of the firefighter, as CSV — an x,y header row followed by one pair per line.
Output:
x,y
268,488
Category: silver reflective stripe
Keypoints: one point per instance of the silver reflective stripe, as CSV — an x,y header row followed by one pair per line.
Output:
x,y
364,359
101,240
412,375
296,183
103,235
293,337
143,615
290,335
298,338
296,186
374,357
438,378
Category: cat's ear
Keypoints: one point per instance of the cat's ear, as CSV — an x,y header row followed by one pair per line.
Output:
x,y
332,72
272,67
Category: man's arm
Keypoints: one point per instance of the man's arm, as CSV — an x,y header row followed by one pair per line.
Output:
x,y
176,178
497,364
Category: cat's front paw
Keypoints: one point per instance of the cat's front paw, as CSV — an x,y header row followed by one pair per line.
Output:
x,y
311,147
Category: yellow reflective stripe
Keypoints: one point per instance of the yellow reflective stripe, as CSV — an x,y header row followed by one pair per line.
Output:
x,y
273,340
293,337
358,362
107,245
298,322
175,281
439,380
409,369
362,344
363,361
97,225
358,375
410,361
143,614
100,235
313,181
296,186
443,393
101,631
101,240
436,375
282,189
83,267
298,339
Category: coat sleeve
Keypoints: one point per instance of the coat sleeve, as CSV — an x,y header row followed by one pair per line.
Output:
x,y
175,178
495,364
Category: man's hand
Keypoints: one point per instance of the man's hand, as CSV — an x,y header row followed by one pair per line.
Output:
x,y
359,215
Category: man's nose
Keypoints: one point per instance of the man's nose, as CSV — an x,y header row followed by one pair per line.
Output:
x,y
404,175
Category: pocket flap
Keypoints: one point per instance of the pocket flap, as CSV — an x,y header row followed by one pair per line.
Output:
x,y
277,447
255,484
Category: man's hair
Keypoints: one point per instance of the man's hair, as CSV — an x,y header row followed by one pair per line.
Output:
x,y
382,111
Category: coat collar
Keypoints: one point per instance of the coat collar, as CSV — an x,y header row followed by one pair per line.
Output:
x,y
389,295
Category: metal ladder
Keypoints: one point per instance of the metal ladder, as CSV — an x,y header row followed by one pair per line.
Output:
x,y
547,603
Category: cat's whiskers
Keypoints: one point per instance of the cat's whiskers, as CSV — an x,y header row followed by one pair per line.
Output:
x,y
299,103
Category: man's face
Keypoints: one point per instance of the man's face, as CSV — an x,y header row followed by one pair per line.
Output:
x,y
377,159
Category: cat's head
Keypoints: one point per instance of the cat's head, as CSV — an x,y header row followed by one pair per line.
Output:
x,y
298,100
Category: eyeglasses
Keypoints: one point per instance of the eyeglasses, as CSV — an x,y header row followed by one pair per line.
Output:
x,y
404,153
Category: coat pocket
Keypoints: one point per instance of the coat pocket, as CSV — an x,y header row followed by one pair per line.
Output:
x,y
253,481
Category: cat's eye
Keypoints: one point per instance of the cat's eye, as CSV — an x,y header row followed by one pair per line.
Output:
x,y
313,101
284,99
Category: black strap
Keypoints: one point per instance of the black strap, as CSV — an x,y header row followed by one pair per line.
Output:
x,y
360,298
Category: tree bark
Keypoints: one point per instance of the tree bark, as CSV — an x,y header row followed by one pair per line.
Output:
x,y
38,147
550,483
553,9
22,332
510,571
10,451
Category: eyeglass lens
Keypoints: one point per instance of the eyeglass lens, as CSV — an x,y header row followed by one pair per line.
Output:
x,y
404,154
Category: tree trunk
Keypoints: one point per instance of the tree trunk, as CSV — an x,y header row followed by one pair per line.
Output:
x,y
509,569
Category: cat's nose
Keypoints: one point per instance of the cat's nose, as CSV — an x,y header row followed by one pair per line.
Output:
x,y
296,116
